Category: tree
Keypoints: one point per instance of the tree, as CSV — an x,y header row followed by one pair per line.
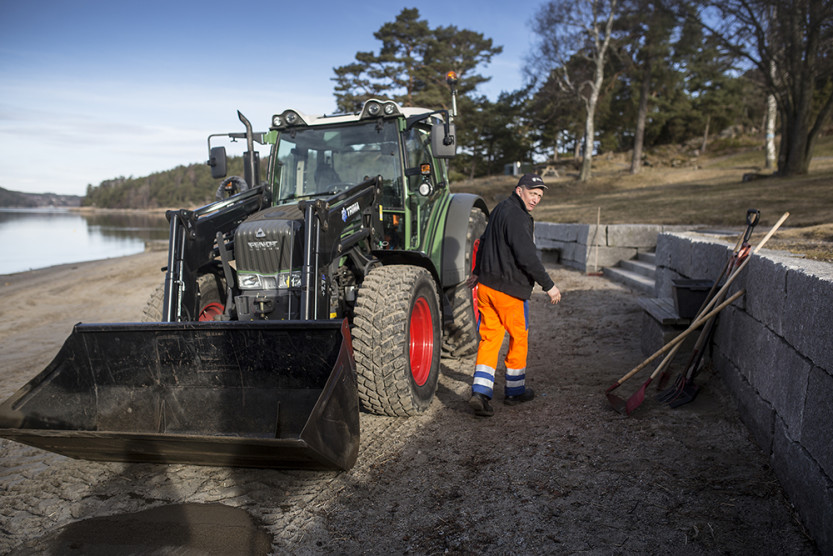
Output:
x,y
790,43
411,64
649,25
570,30
495,134
554,114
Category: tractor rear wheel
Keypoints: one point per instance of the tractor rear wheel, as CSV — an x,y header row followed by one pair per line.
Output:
x,y
396,340
460,337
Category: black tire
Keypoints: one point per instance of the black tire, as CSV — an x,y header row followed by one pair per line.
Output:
x,y
210,299
396,340
460,337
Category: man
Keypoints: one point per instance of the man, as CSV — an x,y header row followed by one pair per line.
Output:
x,y
506,270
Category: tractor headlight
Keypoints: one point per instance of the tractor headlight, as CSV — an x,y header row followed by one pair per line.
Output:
x,y
287,118
250,282
280,281
374,108
289,280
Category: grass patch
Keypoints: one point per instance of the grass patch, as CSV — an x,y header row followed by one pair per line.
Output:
x,y
706,191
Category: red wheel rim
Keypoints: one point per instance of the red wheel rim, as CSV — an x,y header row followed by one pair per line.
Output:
x,y
421,341
211,310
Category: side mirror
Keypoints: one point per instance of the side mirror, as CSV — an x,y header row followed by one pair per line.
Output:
x,y
443,146
217,161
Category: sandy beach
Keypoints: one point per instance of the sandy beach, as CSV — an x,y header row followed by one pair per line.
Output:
x,y
561,474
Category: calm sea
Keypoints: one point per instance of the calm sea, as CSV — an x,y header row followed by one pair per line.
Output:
x,y
38,238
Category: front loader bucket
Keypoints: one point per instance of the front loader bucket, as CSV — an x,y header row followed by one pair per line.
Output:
x,y
247,394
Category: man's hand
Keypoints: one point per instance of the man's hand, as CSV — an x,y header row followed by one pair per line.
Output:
x,y
555,295
471,281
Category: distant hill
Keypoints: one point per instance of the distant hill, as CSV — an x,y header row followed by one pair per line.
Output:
x,y
18,199
185,186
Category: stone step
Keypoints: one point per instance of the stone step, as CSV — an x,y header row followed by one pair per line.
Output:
x,y
631,279
647,257
637,266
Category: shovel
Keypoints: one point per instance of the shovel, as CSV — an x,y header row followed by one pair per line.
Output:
x,y
628,406
683,387
617,402
752,218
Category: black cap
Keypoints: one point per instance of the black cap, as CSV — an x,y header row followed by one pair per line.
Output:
x,y
532,181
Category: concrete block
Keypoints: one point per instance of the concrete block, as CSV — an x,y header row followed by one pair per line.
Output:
x,y
738,336
807,487
664,282
675,228
593,235
609,256
559,232
766,291
806,322
708,260
664,249
572,252
780,375
705,257
817,432
632,235
549,243
756,414
680,256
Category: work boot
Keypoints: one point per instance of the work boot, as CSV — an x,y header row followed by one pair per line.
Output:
x,y
520,398
480,404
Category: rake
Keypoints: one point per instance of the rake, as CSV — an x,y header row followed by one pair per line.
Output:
x,y
707,313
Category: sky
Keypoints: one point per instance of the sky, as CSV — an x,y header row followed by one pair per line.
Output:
x,y
92,90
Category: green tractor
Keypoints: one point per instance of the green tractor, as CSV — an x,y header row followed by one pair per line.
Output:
x,y
336,282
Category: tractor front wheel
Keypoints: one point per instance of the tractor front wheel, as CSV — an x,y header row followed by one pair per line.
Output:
x,y
211,304
396,340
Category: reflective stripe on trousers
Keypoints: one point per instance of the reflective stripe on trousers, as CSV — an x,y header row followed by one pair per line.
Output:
x,y
501,313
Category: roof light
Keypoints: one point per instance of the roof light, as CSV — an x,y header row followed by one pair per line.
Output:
x,y
288,118
374,108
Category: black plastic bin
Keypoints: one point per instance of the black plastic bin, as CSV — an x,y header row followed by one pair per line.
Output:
x,y
689,295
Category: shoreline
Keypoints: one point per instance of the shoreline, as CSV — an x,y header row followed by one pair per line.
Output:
x,y
151,246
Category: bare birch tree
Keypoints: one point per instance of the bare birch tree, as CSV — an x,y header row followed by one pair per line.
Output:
x,y
572,32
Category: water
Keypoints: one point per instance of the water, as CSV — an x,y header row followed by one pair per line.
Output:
x,y
38,238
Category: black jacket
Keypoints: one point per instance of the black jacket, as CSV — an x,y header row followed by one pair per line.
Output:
x,y
507,259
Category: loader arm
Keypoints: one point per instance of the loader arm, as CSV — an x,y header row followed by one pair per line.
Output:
x,y
334,228
192,246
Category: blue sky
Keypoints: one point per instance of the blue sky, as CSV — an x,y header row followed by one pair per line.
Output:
x,y
92,90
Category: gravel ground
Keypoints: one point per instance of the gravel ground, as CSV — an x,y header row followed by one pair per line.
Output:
x,y
561,474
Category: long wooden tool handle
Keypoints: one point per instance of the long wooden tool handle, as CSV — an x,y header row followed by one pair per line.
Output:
x,y
666,360
682,336
742,265
707,311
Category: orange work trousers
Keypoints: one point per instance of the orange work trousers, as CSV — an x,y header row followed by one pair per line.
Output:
x,y
501,313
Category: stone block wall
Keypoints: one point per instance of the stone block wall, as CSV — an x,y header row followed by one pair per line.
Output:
x,y
587,247
774,350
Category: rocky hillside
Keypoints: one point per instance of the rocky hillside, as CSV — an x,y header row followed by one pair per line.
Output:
x,y
18,199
